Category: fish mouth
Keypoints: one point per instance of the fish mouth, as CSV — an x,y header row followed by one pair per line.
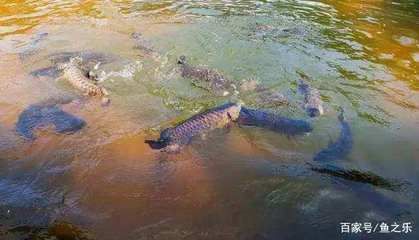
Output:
x,y
156,144
313,112
181,60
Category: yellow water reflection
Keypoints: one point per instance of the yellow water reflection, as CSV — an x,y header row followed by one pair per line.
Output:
x,y
388,36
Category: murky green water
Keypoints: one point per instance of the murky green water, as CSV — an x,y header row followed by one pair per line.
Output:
x,y
245,183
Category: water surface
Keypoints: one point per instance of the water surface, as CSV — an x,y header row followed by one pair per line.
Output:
x,y
242,183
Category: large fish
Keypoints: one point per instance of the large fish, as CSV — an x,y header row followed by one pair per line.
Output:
x,y
312,102
206,78
341,147
173,139
273,121
75,75
46,114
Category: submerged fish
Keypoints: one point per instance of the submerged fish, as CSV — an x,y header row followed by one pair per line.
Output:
x,y
90,61
43,115
273,121
143,45
46,72
339,149
215,80
173,139
75,75
359,176
263,96
312,101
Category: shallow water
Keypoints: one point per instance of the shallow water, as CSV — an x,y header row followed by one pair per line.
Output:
x,y
241,183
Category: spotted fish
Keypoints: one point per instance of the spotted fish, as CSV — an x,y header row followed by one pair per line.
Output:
x,y
207,78
339,149
75,75
312,101
46,114
174,139
273,121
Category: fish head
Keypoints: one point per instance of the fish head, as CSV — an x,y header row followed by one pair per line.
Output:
x,y
315,112
233,112
181,60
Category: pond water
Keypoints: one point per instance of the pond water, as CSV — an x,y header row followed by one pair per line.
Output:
x,y
241,183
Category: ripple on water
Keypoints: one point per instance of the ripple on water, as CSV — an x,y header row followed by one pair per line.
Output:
x,y
405,41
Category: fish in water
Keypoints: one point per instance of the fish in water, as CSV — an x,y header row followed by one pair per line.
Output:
x,y
273,121
43,115
143,45
312,100
173,139
339,149
360,176
73,72
263,96
215,80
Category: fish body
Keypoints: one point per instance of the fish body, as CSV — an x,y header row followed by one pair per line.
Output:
x,y
312,101
273,121
75,75
341,147
42,115
215,80
173,139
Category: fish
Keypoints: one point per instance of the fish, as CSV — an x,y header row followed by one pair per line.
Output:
x,y
341,147
75,75
263,96
51,71
313,104
216,81
89,57
355,175
143,45
173,139
273,121
44,114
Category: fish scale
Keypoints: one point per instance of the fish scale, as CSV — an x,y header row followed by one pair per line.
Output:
x,y
173,139
77,78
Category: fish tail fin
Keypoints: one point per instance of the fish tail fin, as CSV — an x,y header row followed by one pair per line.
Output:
x,y
155,144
